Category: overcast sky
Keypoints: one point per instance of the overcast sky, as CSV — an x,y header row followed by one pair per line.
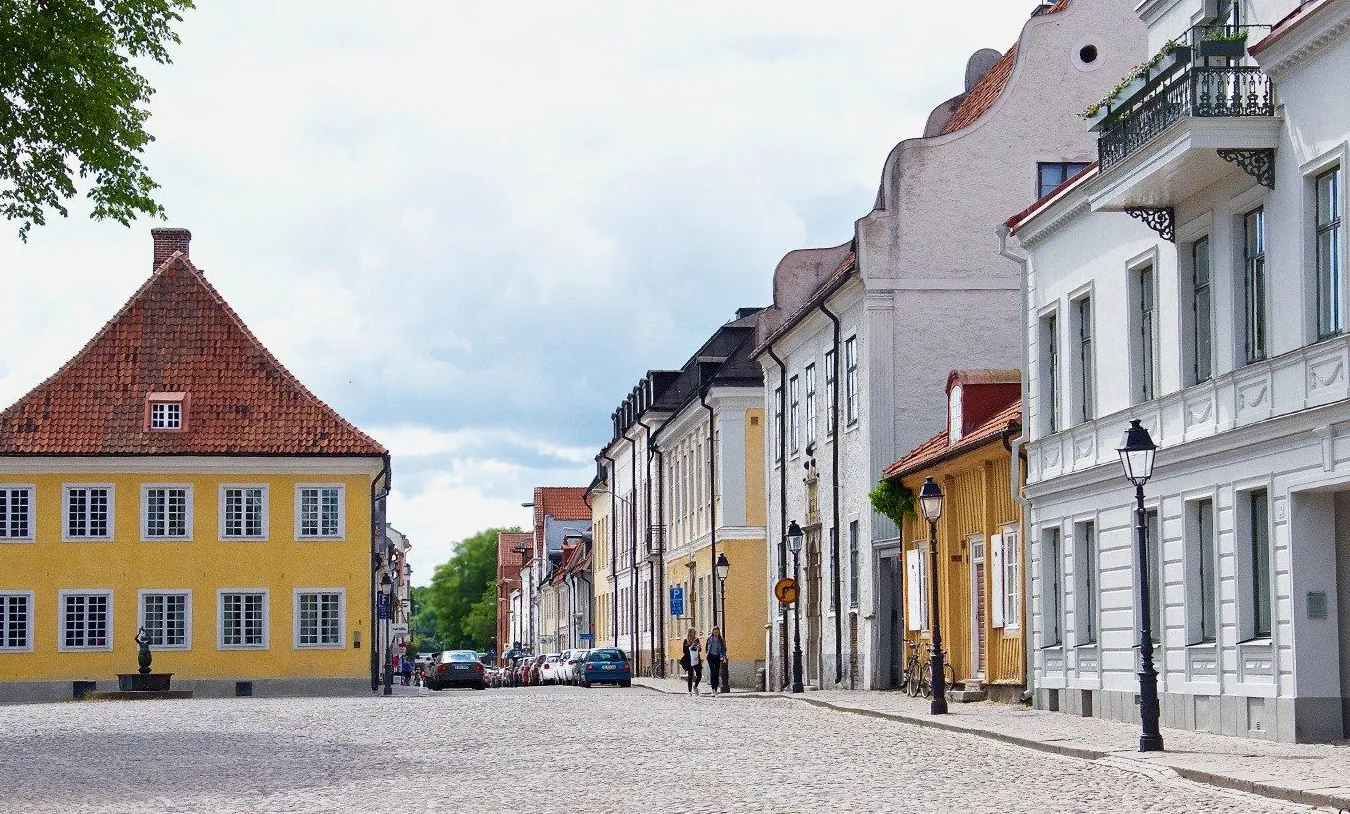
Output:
x,y
471,227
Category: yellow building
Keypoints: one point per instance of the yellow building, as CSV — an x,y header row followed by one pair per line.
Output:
x,y
979,536
173,476
602,587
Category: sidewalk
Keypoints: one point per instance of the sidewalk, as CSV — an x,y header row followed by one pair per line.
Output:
x,y
1311,774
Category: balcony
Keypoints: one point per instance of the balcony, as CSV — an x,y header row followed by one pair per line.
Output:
x,y
1191,116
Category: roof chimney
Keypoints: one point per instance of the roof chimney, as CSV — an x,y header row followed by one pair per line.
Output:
x,y
169,240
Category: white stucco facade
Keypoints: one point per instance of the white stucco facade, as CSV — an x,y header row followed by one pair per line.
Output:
x,y
920,290
1249,506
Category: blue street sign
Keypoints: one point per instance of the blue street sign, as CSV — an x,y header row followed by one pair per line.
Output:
x,y
677,600
586,637
383,606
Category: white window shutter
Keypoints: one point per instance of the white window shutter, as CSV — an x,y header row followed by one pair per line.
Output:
x,y
996,572
914,590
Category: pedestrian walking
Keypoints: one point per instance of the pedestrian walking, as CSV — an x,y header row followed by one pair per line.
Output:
x,y
717,651
692,661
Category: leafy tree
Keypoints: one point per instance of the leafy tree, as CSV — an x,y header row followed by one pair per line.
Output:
x,y
71,100
425,623
463,593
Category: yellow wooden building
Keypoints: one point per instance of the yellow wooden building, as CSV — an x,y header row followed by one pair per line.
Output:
x,y
979,537
174,476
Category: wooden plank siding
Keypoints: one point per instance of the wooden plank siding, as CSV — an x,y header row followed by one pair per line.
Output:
x,y
977,504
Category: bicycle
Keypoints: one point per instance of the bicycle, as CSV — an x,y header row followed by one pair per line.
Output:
x,y
910,679
926,677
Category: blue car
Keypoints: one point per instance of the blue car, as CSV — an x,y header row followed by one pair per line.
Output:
x,y
606,666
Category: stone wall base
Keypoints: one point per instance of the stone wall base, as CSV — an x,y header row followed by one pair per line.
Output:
x,y
41,692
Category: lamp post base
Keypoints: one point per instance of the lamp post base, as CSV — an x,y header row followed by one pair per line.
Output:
x,y
1150,743
797,671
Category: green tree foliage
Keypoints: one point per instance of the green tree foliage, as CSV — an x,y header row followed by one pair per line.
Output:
x,y
426,623
463,593
892,500
72,101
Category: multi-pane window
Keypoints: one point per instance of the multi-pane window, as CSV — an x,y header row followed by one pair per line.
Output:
x,y
1146,338
166,511
1050,373
1202,327
1257,566
1201,572
319,619
87,511
811,403
794,414
16,621
1012,578
16,512
851,379
244,510
1254,283
1050,174
777,423
320,511
1085,582
166,415
165,619
1086,385
1328,237
243,619
854,564
85,619
831,388
1052,588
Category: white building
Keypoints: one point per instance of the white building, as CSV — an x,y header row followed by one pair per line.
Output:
x,y
861,337
1196,281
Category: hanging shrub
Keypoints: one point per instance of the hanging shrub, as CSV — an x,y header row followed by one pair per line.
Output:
x,y
892,500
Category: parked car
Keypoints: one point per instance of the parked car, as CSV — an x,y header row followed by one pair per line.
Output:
x,y
577,669
606,665
567,661
534,671
457,668
548,671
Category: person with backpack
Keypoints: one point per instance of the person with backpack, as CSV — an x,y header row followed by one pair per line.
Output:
x,y
692,661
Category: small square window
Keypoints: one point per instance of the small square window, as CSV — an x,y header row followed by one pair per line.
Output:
x,y
166,415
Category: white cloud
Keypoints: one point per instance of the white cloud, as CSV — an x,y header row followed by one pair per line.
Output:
x,y
476,225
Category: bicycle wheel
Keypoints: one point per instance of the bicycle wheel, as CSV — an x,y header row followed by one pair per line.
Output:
x,y
925,680
949,674
912,683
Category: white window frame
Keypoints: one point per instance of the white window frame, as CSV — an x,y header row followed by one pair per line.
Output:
x,y
852,393
1009,541
341,511
146,537
1087,606
1049,372
1145,358
61,596
776,442
169,420
831,390
65,513
266,620
342,618
810,375
266,513
31,513
186,593
28,634
794,415
1083,359
1051,566
1338,159
1201,571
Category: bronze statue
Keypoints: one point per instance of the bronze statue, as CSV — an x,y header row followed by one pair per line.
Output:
x,y
143,655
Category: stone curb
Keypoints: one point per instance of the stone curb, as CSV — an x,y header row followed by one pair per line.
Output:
x,y
1289,795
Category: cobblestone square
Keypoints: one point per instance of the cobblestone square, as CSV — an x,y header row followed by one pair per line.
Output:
x,y
605,750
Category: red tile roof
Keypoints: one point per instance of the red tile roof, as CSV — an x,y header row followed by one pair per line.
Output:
x,y
176,334
1043,201
939,447
507,556
560,503
991,85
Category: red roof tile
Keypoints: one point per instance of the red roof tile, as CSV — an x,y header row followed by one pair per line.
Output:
x,y
939,446
176,334
560,503
1044,200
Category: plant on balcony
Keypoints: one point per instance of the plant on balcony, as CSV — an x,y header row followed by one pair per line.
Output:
x,y
1224,42
892,500
1172,53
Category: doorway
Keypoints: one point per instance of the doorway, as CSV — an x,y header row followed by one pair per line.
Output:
x,y
813,606
892,634
979,607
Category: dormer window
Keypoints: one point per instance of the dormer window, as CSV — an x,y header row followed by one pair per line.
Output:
x,y
954,419
165,411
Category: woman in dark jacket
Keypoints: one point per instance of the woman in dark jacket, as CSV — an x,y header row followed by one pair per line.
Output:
x,y
717,650
692,660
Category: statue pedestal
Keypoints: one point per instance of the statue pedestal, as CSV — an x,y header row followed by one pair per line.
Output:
x,y
143,682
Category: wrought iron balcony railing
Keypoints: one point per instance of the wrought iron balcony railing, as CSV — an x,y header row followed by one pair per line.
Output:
x,y
1199,90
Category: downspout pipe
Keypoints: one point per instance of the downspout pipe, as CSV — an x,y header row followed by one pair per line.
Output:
x,y
613,560
632,556
653,584
654,448
383,482
782,504
712,503
834,507
1016,451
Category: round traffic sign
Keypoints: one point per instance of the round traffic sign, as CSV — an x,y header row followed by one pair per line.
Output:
x,y
786,590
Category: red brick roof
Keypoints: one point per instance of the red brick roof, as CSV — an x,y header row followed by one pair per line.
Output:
x,y
940,447
176,335
560,503
990,86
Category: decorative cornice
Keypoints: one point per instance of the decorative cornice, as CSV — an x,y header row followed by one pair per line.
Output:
x,y
1044,229
1304,39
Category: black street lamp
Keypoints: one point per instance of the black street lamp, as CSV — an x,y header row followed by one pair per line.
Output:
x,y
386,605
794,544
930,500
723,567
1136,455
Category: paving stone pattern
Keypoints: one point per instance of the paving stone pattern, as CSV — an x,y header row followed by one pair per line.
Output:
x,y
606,750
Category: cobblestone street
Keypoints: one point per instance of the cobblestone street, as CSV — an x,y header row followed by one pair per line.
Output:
x,y
501,750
